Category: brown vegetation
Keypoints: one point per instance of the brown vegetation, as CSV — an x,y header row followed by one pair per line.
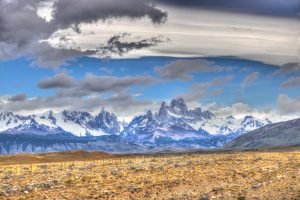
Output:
x,y
230,175
52,157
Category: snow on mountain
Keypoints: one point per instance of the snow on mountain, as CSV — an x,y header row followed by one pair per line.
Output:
x,y
75,122
176,122
174,125
16,124
8,121
230,125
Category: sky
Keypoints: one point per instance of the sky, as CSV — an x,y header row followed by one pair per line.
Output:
x,y
231,57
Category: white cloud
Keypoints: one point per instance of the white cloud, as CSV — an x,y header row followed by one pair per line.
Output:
x,y
249,79
202,33
291,82
240,110
287,105
182,69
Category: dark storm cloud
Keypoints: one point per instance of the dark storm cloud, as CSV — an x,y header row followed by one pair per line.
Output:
x,y
287,8
74,12
92,84
182,69
20,25
116,45
22,29
18,98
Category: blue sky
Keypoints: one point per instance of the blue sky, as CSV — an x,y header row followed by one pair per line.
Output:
x,y
235,57
260,93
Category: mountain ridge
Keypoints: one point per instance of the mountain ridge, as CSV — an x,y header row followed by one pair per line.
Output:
x,y
281,134
173,126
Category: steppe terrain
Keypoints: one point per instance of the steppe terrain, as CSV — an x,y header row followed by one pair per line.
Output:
x,y
222,175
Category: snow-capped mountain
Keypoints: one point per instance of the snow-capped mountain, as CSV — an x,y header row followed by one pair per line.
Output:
x,y
176,123
74,122
172,126
8,121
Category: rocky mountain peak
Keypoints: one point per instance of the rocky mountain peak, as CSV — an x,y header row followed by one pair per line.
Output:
x,y
76,116
102,110
178,106
230,117
4,115
163,112
248,119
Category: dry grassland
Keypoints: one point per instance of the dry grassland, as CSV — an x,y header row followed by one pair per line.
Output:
x,y
235,175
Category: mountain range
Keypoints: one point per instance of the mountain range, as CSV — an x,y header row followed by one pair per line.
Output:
x,y
173,126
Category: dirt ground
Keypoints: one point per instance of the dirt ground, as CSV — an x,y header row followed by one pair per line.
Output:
x,y
228,175
52,157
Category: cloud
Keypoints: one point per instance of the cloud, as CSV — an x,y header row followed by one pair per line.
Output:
x,y
195,92
236,109
199,90
71,13
18,98
22,28
91,84
61,80
288,68
267,7
240,110
123,104
250,78
182,69
217,92
287,105
291,82
221,81
23,31
115,45
48,55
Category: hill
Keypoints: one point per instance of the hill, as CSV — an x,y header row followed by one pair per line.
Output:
x,y
282,134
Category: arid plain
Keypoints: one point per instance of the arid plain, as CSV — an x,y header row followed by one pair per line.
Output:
x,y
222,175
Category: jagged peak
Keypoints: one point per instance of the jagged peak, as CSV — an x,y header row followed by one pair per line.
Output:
x,y
179,106
105,114
47,113
103,110
75,112
6,113
163,108
163,104
248,118
177,102
230,117
268,120
198,109
149,113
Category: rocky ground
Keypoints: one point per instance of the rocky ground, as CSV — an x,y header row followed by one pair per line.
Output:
x,y
235,175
